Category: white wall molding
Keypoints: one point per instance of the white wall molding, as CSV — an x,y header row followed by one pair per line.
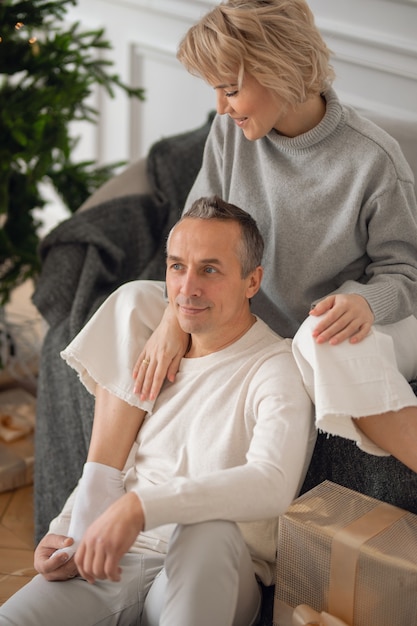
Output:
x,y
371,48
140,56
375,70
175,101
189,10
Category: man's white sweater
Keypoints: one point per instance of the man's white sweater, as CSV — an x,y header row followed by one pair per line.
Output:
x,y
231,439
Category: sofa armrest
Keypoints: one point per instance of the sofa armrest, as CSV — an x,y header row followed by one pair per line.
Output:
x,y
131,181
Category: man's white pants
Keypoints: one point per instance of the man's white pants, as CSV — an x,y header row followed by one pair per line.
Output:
x,y
207,578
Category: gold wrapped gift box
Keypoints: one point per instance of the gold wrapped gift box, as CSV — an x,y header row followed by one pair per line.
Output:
x,y
349,556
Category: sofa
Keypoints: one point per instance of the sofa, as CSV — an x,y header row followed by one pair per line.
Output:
x,y
119,235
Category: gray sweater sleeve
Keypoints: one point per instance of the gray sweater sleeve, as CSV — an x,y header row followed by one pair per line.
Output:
x,y
388,220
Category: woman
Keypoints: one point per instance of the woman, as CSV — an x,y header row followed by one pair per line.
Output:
x,y
334,199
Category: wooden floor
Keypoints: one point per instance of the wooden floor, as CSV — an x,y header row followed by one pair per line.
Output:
x,y
16,540
16,507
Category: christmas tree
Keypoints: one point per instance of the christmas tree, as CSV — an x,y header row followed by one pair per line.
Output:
x,y
48,70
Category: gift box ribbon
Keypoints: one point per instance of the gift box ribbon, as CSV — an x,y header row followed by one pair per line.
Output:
x,y
304,615
346,544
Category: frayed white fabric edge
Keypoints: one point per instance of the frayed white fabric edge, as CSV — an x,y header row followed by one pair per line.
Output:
x,y
90,380
344,426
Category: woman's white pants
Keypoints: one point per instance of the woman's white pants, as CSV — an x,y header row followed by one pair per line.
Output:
x,y
344,381
358,380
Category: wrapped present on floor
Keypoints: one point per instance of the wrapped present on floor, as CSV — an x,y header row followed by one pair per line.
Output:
x,y
17,424
344,557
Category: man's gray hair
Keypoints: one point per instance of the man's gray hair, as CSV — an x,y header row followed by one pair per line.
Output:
x,y
251,246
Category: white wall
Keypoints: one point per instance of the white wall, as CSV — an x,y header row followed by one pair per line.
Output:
x,y
375,47
375,57
145,35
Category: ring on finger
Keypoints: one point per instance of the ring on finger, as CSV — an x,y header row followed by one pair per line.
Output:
x,y
146,362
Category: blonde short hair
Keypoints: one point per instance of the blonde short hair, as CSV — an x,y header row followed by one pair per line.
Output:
x,y
276,41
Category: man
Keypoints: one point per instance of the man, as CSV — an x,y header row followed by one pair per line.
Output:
x,y
220,455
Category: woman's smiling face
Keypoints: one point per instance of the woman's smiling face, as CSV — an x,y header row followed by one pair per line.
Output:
x,y
253,107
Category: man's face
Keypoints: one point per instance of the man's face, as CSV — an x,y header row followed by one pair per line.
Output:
x,y
204,281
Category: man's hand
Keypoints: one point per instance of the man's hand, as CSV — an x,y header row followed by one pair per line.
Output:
x,y
160,357
344,316
58,567
109,538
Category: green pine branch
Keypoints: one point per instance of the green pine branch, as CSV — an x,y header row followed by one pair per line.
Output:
x,y
48,71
